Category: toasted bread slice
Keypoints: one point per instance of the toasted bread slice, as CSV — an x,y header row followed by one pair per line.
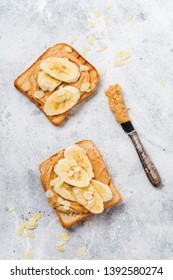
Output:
x,y
100,173
27,81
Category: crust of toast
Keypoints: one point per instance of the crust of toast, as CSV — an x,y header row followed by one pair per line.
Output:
x,y
24,78
100,174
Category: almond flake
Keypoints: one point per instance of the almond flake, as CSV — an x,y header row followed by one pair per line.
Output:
x,y
75,39
31,223
86,223
87,48
38,94
123,54
29,233
55,181
29,254
92,25
97,13
21,229
109,6
67,203
11,208
66,236
59,235
101,49
85,87
60,243
163,83
61,249
80,251
49,194
102,72
84,68
26,86
118,62
60,200
97,37
90,41
128,17
36,216
68,49
106,21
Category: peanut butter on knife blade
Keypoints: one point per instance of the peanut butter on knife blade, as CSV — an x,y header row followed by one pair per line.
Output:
x,y
116,103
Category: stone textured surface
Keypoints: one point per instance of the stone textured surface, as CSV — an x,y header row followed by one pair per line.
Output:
x,y
142,226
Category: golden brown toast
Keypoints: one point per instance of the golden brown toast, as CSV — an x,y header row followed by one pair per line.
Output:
x,y
100,173
27,81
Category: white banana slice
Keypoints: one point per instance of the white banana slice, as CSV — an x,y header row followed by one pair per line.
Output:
x,y
89,198
65,191
79,155
46,82
61,100
71,173
61,68
103,190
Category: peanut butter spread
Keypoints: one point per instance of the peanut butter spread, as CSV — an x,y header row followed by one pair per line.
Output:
x,y
116,103
48,174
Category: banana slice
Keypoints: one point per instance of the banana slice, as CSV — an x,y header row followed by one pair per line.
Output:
x,y
89,198
61,100
65,191
46,82
71,173
103,190
79,155
61,68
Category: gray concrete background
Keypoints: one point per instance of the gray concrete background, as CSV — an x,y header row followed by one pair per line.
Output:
x,y
141,227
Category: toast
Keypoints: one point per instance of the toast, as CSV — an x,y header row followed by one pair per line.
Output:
x,y
27,81
100,173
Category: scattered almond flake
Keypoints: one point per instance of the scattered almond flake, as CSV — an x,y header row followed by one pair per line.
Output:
x,y
60,243
92,25
38,94
68,49
75,39
83,53
66,236
97,37
80,251
59,235
83,68
100,229
21,229
49,194
109,6
48,258
86,223
60,200
128,17
123,54
102,72
163,83
31,223
97,13
11,208
26,86
60,249
101,49
29,233
36,216
29,254
86,48
85,87
118,62
106,21
90,41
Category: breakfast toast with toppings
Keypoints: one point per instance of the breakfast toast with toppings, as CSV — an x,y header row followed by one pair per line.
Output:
x,y
77,183
57,81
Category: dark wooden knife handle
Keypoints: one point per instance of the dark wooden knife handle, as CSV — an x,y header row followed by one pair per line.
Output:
x,y
148,165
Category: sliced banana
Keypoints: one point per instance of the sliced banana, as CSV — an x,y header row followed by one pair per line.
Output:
x,y
65,191
103,190
71,173
61,100
89,198
79,155
61,68
46,82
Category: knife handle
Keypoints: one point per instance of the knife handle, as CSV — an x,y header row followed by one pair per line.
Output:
x,y
148,165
